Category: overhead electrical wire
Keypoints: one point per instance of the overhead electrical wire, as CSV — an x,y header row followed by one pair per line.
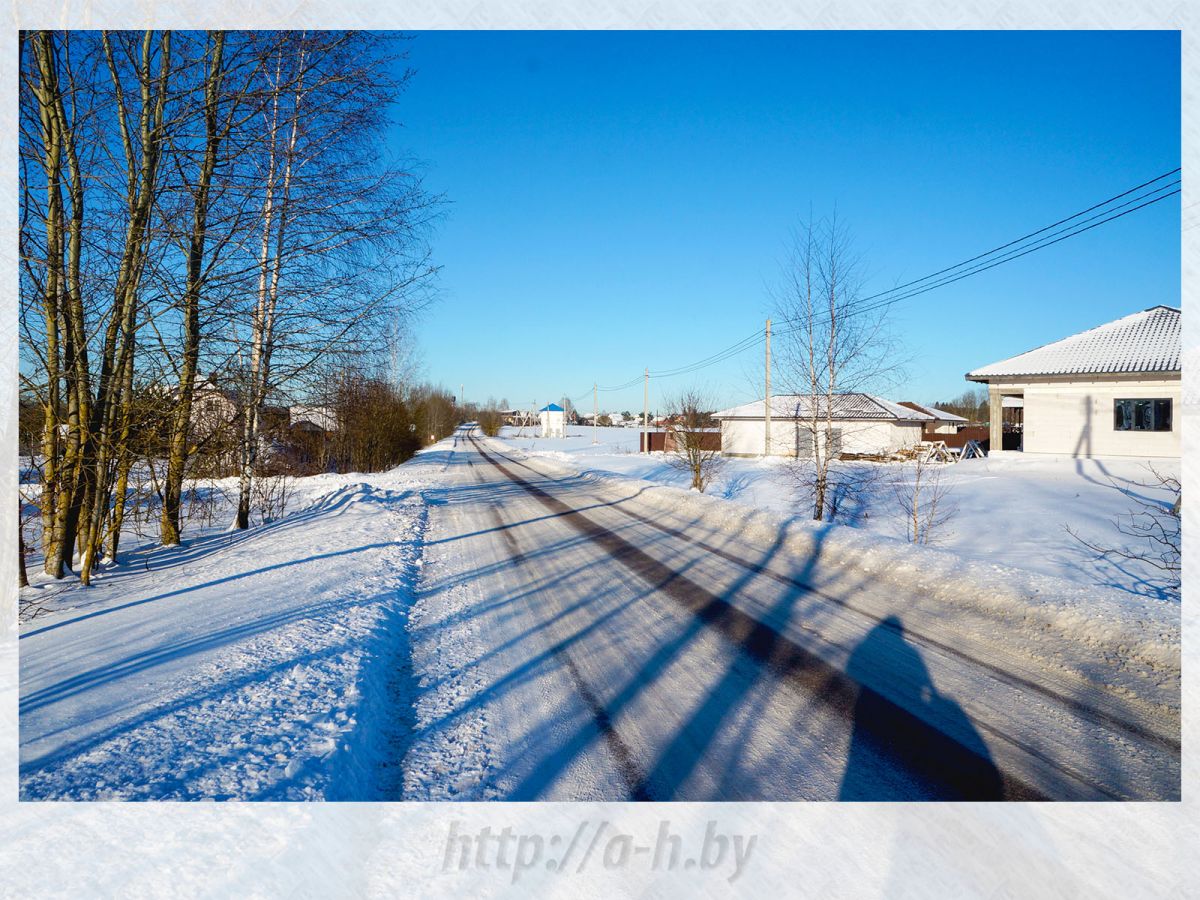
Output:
x,y
1049,235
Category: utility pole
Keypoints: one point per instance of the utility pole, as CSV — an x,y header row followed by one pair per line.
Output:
x,y
646,413
767,400
595,412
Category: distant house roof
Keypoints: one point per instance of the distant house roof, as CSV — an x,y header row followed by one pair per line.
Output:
x,y
320,417
1146,341
933,412
845,407
551,407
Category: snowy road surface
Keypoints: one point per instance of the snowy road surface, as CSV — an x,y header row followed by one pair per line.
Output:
x,y
478,624
609,647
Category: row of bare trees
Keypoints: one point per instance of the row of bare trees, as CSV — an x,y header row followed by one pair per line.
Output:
x,y
198,206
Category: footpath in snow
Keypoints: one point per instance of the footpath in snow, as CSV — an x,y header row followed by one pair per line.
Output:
x,y
271,664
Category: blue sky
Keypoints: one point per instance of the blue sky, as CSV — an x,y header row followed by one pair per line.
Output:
x,y
618,200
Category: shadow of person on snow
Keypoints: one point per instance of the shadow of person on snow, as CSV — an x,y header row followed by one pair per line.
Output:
x,y
895,751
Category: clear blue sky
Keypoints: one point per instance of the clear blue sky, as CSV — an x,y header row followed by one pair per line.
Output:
x,y
618,200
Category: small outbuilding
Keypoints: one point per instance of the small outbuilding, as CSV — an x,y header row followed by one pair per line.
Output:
x,y
553,420
943,422
862,423
1113,390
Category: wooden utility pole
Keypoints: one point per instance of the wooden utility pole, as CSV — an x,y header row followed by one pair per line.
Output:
x,y
767,398
646,413
595,412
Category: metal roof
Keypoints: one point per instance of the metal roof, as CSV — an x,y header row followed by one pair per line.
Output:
x,y
845,407
1146,341
933,412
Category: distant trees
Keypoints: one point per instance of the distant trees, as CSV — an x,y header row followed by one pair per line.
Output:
x,y
971,404
375,426
828,343
490,418
692,446
198,200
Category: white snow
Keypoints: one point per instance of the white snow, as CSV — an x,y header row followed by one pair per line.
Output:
x,y
245,665
435,632
1010,509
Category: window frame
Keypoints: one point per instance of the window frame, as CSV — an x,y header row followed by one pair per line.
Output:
x,y
1137,406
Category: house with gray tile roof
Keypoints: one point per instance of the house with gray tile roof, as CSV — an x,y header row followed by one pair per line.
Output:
x,y
1113,390
860,423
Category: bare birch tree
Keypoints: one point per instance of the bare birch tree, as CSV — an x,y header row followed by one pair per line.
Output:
x,y
829,344
166,180
923,499
340,250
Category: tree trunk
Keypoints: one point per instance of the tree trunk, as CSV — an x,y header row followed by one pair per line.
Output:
x,y
177,455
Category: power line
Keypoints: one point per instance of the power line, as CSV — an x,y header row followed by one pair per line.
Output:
x,y
982,262
888,300
1083,212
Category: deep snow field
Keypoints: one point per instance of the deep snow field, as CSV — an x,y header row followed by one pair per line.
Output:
x,y
1009,509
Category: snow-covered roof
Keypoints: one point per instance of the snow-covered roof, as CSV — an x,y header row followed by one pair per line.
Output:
x,y
551,407
1146,341
845,406
933,412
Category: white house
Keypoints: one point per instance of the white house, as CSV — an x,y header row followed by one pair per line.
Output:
x,y
1113,390
862,423
552,419
312,418
943,422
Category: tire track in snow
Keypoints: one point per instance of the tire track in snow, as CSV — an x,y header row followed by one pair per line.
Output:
x,y
815,677
1080,708
630,773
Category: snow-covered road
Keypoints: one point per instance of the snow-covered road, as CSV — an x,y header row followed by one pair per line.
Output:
x,y
482,624
606,645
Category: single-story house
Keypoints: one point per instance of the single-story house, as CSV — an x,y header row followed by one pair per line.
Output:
x,y
943,422
1113,390
862,423
552,420
313,418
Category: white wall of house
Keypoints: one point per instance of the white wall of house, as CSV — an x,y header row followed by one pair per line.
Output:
x,y
746,437
1075,418
942,427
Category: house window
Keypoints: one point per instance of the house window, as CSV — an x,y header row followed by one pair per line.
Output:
x,y
1142,415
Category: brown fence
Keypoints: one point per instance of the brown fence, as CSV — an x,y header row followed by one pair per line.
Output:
x,y
664,441
970,433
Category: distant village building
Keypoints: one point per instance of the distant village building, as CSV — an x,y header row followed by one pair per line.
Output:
x,y
552,420
1113,390
213,408
862,423
943,422
312,418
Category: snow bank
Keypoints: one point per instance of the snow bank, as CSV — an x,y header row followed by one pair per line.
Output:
x,y
269,664
1012,508
1129,631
